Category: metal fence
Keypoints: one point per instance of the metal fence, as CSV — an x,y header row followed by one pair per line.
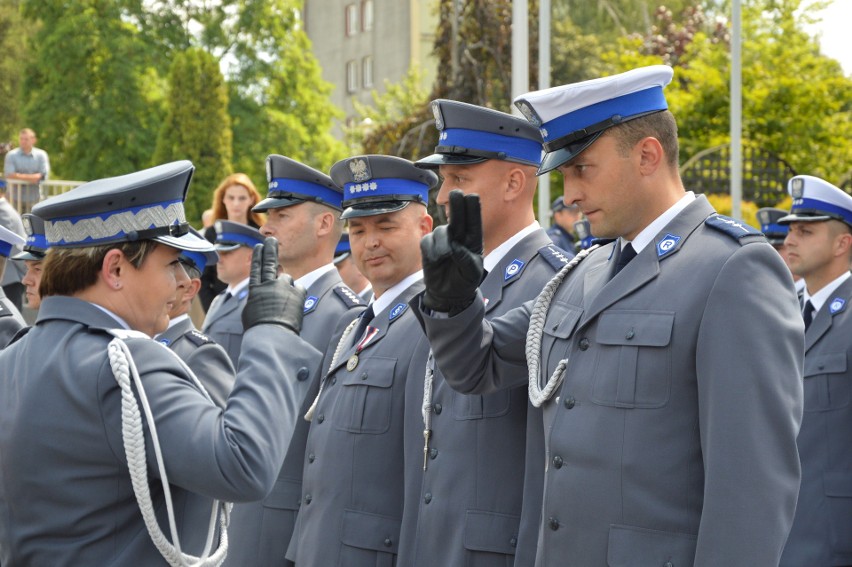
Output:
x,y
23,195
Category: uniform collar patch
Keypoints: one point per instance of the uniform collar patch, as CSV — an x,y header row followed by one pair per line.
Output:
x,y
513,269
310,304
166,342
667,244
243,293
397,310
837,305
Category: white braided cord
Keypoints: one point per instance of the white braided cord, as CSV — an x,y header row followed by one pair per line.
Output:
x,y
428,382
309,415
133,436
538,316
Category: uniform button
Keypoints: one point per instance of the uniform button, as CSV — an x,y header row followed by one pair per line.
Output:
x,y
302,374
427,498
311,458
321,418
553,523
308,498
333,380
388,542
584,343
363,376
439,408
569,402
557,462
513,542
433,453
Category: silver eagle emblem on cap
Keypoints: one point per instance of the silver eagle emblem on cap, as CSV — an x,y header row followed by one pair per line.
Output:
x,y
528,112
436,112
798,188
28,226
359,169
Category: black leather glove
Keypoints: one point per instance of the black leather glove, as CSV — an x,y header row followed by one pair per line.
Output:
x,y
272,300
452,257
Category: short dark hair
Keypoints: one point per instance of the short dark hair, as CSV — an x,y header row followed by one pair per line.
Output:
x,y
659,125
71,270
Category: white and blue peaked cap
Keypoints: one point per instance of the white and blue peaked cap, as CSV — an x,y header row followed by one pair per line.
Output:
x,y
817,200
571,117
145,205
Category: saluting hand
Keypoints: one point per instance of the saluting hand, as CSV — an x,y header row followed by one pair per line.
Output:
x,y
452,257
272,300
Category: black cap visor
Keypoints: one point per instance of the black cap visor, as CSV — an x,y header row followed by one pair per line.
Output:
x,y
555,158
374,208
29,255
810,216
276,203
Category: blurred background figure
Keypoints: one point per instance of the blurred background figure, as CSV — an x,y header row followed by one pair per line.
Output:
x,y
33,255
775,234
29,165
11,280
11,320
584,234
233,200
349,272
564,217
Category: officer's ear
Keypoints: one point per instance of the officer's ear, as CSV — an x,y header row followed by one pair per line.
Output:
x,y
516,182
192,289
651,155
113,267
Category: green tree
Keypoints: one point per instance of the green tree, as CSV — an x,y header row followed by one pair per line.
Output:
x,y
197,126
13,53
89,92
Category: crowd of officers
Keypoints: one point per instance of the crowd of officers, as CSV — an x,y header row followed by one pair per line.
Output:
x,y
667,396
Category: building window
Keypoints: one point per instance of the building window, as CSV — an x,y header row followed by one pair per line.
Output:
x,y
367,71
351,76
367,14
351,19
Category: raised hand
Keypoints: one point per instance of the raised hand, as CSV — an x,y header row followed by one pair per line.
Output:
x,y
452,257
272,300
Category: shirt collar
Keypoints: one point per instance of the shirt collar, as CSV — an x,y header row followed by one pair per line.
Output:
x,y
118,319
649,232
311,278
493,258
234,290
176,320
819,298
383,302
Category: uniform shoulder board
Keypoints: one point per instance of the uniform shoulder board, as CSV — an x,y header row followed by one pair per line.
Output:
x,y
198,338
732,227
349,297
17,336
127,334
555,256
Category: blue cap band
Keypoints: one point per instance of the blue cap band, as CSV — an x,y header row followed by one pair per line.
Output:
x,y
646,100
236,237
284,187
196,258
816,206
385,187
518,148
775,228
5,248
37,241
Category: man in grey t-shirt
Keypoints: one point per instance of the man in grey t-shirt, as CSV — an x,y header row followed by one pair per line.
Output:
x,y
28,164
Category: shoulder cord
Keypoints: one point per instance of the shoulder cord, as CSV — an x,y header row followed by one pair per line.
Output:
x,y
123,366
309,415
428,382
533,348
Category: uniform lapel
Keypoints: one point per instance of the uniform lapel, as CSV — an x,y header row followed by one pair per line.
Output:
x,y
644,268
824,318
496,280
219,309
322,286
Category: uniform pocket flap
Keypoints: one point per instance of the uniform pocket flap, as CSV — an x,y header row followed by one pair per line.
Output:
x,y
630,546
561,319
286,494
838,484
487,531
370,531
636,328
834,363
375,371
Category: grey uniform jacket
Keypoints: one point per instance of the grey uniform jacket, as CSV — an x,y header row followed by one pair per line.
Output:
x,y
469,498
9,218
352,488
673,436
822,527
208,361
260,531
11,320
224,324
66,495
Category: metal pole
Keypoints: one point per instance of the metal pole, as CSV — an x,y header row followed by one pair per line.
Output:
x,y
736,112
544,83
520,50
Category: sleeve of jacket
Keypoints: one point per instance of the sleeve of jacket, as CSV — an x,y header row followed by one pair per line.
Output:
x,y
233,454
214,369
749,363
477,356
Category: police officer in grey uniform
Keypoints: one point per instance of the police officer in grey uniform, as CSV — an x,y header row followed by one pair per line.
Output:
x,y
84,475
670,421
303,208
209,361
476,517
819,247
223,322
11,320
352,491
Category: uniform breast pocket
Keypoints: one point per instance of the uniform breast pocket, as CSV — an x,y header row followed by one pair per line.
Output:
x,y
827,386
633,363
366,398
561,320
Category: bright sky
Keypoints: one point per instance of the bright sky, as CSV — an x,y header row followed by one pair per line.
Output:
x,y
834,37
